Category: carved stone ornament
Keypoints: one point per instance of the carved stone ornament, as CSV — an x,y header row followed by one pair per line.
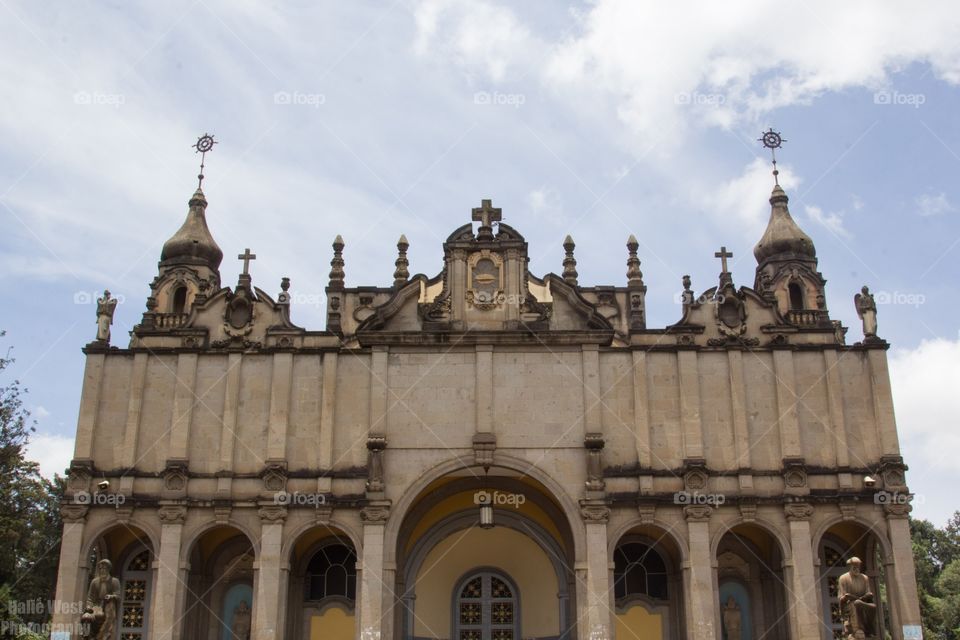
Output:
x,y
274,476
897,509
79,475
485,280
238,315
594,445
323,513
697,512
748,511
175,476
730,311
73,512
647,513
695,477
272,514
172,514
794,474
484,446
375,446
893,472
222,511
848,509
596,512
376,512
798,511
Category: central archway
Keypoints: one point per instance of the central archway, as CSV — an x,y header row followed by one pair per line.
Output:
x,y
530,550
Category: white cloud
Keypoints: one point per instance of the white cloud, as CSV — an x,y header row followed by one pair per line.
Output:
x,y
832,220
744,200
544,200
924,383
659,70
932,205
40,412
52,452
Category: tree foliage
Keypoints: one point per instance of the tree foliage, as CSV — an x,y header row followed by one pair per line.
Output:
x,y
936,555
30,522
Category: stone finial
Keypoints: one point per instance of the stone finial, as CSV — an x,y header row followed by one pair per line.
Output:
x,y
569,262
336,265
402,274
687,291
284,297
634,275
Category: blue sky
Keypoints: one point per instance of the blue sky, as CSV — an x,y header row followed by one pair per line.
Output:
x,y
375,119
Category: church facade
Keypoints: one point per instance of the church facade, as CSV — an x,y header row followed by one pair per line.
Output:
x,y
487,454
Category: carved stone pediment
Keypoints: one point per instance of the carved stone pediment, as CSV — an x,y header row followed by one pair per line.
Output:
x,y
485,280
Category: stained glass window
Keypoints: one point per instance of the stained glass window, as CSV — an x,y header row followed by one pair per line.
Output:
x,y
135,590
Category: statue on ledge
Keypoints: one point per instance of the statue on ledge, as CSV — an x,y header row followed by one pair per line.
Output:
x,y
857,607
105,308
867,310
99,619
240,629
731,619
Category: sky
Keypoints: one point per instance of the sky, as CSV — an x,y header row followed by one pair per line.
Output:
x,y
372,119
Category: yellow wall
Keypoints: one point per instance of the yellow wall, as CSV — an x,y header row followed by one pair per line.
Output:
x,y
505,549
639,624
334,624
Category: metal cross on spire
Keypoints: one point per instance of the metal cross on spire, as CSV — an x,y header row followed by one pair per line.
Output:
x,y
204,143
772,140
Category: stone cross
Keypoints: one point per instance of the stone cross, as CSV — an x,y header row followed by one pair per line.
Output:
x,y
246,256
723,254
486,214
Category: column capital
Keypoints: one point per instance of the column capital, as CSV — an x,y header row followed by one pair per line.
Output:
x,y
172,514
74,512
594,511
375,513
798,511
272,514
697,512
897,510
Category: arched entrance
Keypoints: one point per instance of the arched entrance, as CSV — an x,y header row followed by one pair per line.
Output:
x,y
131,555
219,595
647,585
838,544
751,585
322,595
511,580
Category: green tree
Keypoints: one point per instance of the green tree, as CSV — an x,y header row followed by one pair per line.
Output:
x,y
936,555
29,516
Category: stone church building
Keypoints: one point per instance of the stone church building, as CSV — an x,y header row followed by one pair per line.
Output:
x,y
487,454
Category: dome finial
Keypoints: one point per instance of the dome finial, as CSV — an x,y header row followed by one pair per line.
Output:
x,y
204,143
772,140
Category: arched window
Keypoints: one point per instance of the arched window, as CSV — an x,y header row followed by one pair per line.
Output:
x,y
332,572
486,608
832,565
796,296
639,570
135,590
179,300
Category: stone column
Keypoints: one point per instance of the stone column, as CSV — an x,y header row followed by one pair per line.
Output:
x,y
165,617
903,597
802,583
595,606
371,577
700,604
70,593
267,618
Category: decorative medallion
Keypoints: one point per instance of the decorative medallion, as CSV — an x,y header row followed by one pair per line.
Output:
x,y
485,289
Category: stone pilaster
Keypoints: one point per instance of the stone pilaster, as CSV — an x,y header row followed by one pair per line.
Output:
x,y
89,405
328,404
165,618
595,615
371,579
69,590
268,620
802,584
701,607
903,597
